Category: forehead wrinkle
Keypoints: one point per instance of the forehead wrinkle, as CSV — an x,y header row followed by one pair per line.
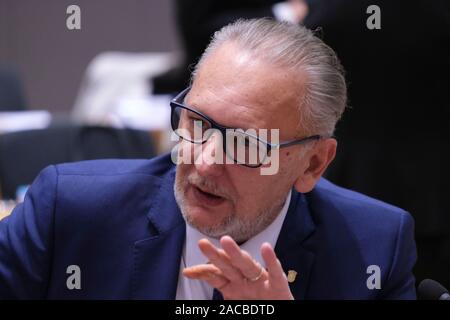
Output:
x,y
259,119
259,94
242,110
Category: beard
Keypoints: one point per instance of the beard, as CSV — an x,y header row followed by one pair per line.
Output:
x,y
239,226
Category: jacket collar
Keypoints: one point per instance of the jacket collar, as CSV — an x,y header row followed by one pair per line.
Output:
x,y
294,245
157,258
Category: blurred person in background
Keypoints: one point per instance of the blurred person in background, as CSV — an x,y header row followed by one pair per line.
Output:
x,y
12,96
197,20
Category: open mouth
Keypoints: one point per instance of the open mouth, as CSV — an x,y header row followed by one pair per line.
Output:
x,y
209,194
207,198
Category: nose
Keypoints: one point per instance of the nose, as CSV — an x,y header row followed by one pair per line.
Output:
x,y
208,157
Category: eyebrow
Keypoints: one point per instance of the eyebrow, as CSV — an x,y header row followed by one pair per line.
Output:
x,y
195,107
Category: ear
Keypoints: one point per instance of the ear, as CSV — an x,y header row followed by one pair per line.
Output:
x,y
317,161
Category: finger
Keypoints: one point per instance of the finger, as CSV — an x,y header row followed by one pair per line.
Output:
x,y
208,273
241,259
274,268
220,259
200,269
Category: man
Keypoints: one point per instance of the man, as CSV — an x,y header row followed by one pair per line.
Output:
x,y
117,229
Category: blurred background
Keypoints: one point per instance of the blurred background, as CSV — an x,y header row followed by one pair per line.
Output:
x,y
103,91
52,60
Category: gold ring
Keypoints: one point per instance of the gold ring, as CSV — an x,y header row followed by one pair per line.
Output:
x,y
261,272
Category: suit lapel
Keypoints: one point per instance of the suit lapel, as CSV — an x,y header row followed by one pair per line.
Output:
x,y
157,258
292,248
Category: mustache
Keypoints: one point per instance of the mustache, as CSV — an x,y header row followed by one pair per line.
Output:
x,y
208,186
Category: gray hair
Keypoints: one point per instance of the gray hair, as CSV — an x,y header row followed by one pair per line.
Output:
x,y
298,50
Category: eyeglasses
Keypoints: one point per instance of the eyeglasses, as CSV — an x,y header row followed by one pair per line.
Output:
x,y
240,146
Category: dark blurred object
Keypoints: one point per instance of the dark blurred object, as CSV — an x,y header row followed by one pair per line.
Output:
x,y
11,90
432,290
24,154
394,138
398,76
197,20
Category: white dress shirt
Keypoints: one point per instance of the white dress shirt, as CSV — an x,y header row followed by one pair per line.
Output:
x,y
189,289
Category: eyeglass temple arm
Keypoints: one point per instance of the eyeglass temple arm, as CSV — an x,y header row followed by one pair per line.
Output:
x,y
295,142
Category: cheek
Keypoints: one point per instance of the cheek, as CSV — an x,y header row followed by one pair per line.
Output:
x,y
290,165
185,153
252,188
183,172
240,182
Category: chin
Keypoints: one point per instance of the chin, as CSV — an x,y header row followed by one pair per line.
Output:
x,y
203,218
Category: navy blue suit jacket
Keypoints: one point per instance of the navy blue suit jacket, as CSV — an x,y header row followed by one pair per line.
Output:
x,y
119,222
